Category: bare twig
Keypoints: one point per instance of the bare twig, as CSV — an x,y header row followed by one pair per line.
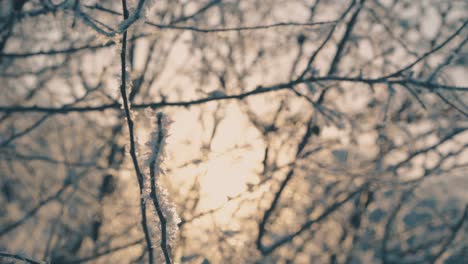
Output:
x,y
133,155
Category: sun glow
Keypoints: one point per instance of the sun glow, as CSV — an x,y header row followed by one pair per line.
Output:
x,y
223,178
232,162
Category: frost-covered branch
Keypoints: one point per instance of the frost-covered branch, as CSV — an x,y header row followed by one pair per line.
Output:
x,y
165,210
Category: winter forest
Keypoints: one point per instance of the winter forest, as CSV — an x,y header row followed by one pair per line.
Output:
x,y
234,131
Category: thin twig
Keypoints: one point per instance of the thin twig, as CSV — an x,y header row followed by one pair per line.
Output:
x,y
18,257
244,28
128,116
428,53
8,228
259,90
